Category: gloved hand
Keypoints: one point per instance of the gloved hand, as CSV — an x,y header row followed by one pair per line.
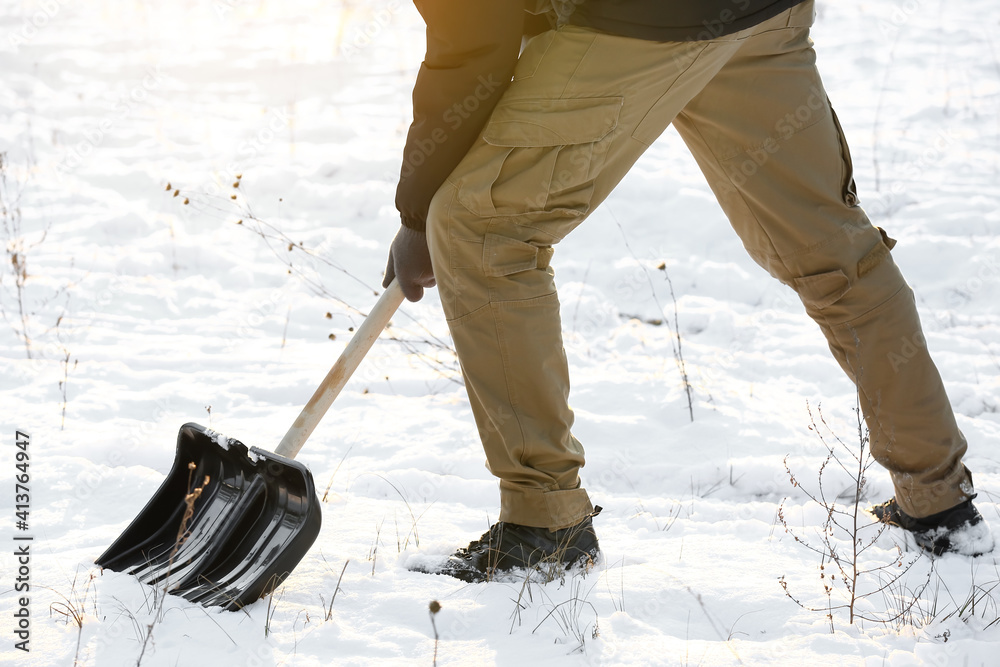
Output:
x,y
410,262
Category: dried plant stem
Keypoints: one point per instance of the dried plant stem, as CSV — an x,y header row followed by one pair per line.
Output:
x,y
675,345
839,570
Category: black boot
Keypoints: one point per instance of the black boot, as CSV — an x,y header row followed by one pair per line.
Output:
x,y
959,530
510,546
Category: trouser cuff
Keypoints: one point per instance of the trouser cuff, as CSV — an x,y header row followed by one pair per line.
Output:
x,y
554,510
921,501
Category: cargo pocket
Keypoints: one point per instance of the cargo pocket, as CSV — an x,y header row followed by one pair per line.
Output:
x,y
503,256
823,289
540,155
849,191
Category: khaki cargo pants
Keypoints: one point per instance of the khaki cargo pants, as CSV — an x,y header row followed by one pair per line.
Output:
x,y
582,108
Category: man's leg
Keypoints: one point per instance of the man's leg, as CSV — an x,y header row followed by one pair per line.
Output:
x,y
582,108
767,139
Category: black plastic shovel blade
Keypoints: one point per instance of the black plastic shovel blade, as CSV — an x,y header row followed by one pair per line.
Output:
x,y
255,519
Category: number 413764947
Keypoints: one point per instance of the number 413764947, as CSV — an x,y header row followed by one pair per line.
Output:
x,y
22,493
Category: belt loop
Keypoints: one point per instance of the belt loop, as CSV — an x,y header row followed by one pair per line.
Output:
x,y
545,256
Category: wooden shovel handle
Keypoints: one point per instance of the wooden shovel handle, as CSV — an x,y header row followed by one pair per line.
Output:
x,y
341,372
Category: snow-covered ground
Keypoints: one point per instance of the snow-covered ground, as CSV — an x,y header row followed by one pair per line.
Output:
x,y
143,312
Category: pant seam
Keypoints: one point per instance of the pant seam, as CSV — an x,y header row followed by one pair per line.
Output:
x,y
850,324
571,77
666,92
509,386
697,130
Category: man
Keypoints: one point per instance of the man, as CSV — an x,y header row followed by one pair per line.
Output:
x,y
497,171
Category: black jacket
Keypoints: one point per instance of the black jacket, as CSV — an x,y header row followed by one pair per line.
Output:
x,y
472,47
675,20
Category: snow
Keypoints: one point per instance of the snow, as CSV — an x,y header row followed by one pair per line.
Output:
x,y
149,313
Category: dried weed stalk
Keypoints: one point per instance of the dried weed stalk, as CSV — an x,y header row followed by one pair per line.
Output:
x,y
845,536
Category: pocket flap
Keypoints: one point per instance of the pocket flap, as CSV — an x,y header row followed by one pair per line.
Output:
x,y
822,290
546,122
503,256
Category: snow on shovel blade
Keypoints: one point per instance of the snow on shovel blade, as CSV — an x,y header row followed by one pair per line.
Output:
x,y
255,519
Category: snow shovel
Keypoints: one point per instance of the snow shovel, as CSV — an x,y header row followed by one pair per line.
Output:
x,y
229,523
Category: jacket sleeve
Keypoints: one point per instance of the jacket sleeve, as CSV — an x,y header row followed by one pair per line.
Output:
x,y
472,47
